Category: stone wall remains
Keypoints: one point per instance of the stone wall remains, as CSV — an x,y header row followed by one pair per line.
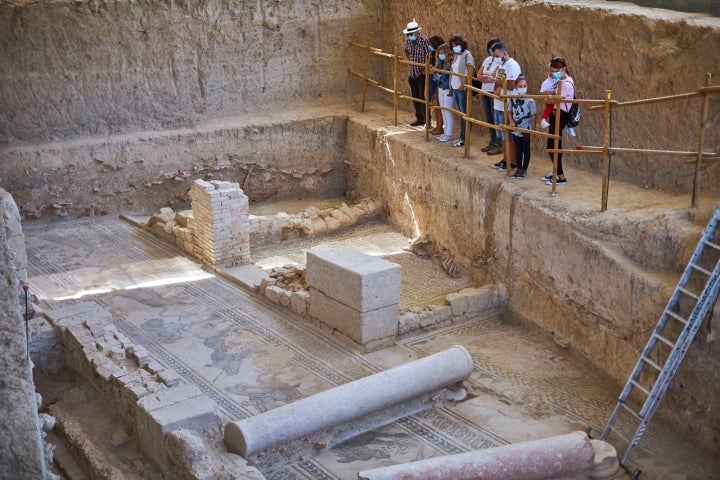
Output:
x,y
21,448
276,156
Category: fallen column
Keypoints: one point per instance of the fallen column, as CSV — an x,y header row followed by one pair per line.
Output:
x,y
572,456
343,412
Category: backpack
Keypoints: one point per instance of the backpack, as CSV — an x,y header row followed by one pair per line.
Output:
x,y
574,115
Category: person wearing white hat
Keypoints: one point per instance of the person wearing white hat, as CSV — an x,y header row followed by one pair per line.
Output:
x,y
416,49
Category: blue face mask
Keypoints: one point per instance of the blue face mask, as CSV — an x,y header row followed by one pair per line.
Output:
x,y
557,75
412,37
431,48
457,49
442,56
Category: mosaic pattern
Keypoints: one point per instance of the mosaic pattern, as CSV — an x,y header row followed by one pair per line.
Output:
x,y
249,357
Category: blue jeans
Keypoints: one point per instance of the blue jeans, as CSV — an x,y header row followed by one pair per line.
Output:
x,y
499,116
490,117
461,105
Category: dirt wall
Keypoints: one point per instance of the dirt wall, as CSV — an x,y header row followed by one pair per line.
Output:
x,y
636,52
140,173
97,67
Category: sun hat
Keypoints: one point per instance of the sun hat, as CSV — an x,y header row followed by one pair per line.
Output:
x,y
412,27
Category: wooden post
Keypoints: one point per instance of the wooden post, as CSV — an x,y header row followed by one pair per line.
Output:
x,y
701,141
506,133
395,86
426,94
606,151
468,111
367,73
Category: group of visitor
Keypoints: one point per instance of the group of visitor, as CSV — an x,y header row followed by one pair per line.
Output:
x,y
496,72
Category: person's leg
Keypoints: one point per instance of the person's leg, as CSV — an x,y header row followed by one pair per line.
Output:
x,y
517,144
421,96
417,92
447,101
525,153
547,111
461,105
489,117
551,142
500,135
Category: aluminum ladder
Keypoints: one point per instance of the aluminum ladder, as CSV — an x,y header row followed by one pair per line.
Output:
x,y
703,269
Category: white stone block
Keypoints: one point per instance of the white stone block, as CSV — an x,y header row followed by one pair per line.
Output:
x,y
179,407
359,281
362,327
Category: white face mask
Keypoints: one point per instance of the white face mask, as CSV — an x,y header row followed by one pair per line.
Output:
x,y
522,90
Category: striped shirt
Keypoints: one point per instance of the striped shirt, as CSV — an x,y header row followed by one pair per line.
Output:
x,y
416,52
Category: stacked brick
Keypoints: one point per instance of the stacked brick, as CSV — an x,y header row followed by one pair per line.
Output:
x,y
220,225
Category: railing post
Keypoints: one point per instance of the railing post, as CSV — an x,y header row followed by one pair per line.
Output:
x,y
395,86
367,73
426,94
701,141
606,151
506,132
468,113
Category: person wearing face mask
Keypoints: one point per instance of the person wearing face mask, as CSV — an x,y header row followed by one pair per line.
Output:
x,y
464,65
510,70
416,49
435,42
522,114
486,75
559,72
445,97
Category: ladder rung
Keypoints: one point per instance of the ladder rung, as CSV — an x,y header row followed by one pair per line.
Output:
x,y
652,364
701,269
664,340
640,387
689,293
711,244
677,317
617,432
631,411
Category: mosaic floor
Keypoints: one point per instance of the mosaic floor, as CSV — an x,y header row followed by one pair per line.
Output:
x,y
249,357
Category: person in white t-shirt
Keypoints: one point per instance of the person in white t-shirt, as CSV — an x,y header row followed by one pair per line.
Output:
x,y
463,64
486,75
510,70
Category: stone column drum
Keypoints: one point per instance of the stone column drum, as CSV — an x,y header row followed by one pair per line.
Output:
x,y
348,402
570,456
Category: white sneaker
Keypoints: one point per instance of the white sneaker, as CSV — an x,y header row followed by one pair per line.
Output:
x,y
444,138
544,123
571,131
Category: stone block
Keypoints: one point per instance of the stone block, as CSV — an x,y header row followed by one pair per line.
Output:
x,y
183,406
486,301
358,281
362,327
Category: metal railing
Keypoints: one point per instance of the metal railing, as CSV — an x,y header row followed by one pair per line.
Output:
x,y
604,105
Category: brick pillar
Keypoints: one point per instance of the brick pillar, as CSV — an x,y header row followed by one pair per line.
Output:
x,y
220,225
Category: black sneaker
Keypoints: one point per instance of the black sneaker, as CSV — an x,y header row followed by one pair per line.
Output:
x,y
417,123
520,174
547,178
501,165
559,181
